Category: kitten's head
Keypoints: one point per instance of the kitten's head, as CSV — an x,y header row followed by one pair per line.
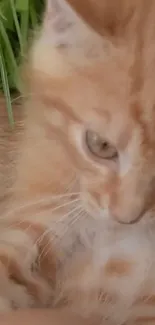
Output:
x,y
96,97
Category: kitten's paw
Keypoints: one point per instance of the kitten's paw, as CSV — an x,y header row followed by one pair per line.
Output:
x,y
22,275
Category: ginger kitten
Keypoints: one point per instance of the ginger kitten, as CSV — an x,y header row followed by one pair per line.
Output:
x,y
80,229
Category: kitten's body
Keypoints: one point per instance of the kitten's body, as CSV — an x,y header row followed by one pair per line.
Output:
x,y
90,220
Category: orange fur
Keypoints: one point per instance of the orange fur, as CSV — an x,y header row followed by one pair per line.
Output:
x,y
89,219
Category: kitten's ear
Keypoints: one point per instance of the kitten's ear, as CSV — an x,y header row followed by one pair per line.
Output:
x,y
66,30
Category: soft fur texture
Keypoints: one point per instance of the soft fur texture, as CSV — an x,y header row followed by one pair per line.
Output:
x,y
80,230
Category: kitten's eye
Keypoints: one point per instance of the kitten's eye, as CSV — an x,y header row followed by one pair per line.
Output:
x,y
100,147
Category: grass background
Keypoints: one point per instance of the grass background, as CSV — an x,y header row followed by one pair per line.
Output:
x,y
17,19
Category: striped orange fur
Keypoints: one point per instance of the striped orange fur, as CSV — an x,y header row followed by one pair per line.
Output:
x,y
78,227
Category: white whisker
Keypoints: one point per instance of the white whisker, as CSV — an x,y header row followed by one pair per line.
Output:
x,y
49,231
36,204
71,223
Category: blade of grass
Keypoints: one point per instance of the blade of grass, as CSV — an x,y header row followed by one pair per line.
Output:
x,y
22,7
33,16
16,21
5,86
7,16
2,16
11,58
24,27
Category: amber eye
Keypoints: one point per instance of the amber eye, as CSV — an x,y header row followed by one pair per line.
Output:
x,y
100,147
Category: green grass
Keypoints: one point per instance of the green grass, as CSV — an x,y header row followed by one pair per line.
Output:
x,y
17,19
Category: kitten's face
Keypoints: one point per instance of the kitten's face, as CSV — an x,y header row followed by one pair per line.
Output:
x,y
98,99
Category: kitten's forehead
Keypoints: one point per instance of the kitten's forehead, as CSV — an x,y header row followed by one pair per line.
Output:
x,y
105,91
105,103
